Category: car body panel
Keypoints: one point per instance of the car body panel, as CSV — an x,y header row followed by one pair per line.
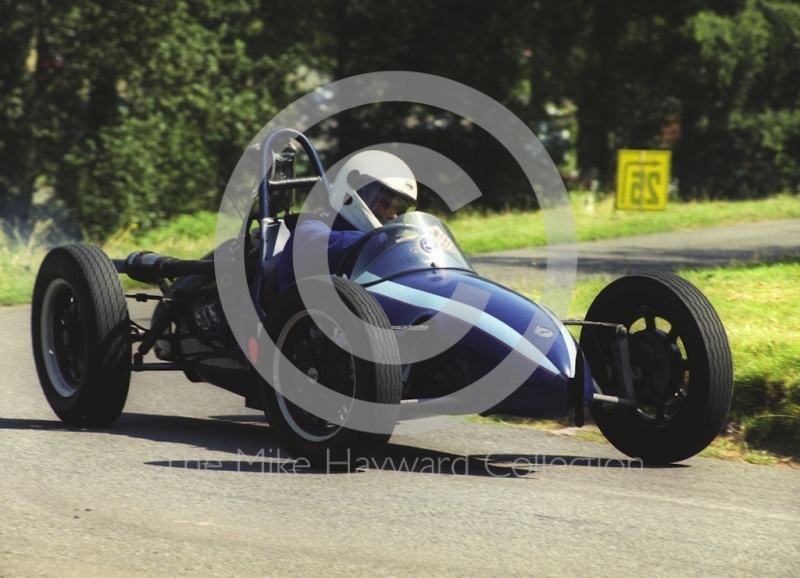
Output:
x,y
509,324
490,323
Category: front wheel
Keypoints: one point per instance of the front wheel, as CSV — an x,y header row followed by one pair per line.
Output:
x,y
319,347
680,362
81,335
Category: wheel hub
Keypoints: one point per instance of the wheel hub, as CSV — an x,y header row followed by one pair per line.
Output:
x,y
322,360
655,362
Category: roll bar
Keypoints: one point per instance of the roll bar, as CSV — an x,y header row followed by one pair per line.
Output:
x,y
273,143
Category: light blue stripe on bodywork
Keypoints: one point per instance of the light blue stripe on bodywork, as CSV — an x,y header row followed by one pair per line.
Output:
x,y
485,322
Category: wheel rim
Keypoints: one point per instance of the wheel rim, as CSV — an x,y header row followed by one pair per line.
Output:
x,y
62,335
322,360
660,365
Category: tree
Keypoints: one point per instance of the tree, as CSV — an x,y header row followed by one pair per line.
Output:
x,y
19,39
462,41
748,117
132,112
135,112
635,77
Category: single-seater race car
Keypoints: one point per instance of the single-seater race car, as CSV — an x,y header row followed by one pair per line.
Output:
x,y
652,364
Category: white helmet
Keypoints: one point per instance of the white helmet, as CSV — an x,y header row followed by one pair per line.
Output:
x,y
373,187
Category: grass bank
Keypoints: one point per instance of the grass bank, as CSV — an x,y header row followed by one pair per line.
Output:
x,y
598,219
187,237
760,308
191,236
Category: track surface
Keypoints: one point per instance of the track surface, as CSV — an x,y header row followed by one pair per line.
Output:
x,y
178,487
717,247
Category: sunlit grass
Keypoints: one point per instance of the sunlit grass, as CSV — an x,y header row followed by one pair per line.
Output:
x,y
17,275
187,237
760,308
731,448
478,233
537,424
191,236
19,262
590,435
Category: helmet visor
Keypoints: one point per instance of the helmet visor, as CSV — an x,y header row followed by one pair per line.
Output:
x,y
385,203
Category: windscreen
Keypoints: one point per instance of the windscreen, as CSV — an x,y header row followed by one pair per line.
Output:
x,y
410,242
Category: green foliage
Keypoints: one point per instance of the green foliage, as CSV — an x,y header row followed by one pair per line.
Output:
x,y
441,38
749,71
133,112
182,121
17,39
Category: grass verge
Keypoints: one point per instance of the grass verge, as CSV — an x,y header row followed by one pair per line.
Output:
x,y
759,305
729,446
187,237
191,236
477,233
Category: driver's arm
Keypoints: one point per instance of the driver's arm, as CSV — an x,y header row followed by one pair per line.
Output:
x,y
309,239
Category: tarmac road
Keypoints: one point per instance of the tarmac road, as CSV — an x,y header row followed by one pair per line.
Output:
x,y
716,247
188,482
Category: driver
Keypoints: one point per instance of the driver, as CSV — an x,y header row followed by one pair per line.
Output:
x,y
372,188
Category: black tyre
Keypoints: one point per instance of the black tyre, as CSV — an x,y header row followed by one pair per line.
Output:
x,y
81,335
681,365
330,363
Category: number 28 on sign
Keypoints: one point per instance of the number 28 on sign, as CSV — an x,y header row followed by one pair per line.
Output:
x,y
643,180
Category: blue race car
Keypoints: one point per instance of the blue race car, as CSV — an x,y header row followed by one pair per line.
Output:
x,y
652,364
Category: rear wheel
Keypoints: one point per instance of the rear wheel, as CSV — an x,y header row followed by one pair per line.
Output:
x,y
81,335
319,347
681,365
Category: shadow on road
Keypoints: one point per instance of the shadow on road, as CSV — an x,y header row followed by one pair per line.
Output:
x,y
421,460
209,434
257,451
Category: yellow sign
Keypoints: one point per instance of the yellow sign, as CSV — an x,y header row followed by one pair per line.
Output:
x,y
643,179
